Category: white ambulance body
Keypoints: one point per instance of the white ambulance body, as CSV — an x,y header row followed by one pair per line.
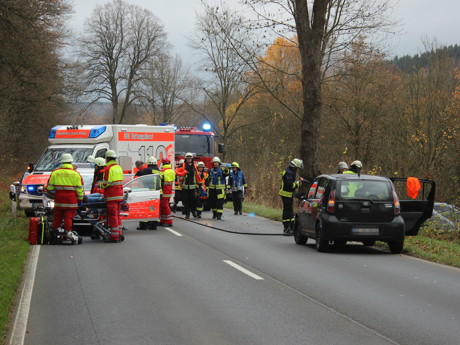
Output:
x,y
130,142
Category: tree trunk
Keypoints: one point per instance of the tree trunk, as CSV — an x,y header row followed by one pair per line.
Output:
x,y
311,39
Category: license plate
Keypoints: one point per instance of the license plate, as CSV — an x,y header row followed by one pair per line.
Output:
x,y
365,231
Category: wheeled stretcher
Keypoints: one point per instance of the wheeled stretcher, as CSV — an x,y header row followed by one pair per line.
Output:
x,y
95,214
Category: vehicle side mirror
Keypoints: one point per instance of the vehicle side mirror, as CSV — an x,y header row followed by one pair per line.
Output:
x,y
31,167
127,190
221,148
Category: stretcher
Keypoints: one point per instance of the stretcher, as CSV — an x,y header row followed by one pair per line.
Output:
x,y
95,214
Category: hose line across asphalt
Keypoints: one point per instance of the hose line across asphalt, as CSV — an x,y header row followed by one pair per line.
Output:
x,y
228,231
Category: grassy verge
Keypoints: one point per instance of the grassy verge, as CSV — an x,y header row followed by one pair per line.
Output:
x,y
431,244
13,253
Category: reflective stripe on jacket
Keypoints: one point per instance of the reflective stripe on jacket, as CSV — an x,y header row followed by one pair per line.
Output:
x,y
113,182
288,183
216,178
68,186
237,181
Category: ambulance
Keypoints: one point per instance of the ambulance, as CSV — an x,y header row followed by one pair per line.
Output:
x,y
130,142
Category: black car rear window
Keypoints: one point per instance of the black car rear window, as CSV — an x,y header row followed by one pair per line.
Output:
x,y
362,189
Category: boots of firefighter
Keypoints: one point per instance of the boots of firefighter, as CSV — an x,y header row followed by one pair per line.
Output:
x,y
198,214
194,214
286,226
114,235
289,231
219,216
214,214
142,226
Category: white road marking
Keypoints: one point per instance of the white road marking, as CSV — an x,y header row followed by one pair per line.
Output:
x,y
244,270
173,231
20,322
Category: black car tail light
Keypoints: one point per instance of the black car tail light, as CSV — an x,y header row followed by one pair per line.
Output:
x,y
397,208
331,203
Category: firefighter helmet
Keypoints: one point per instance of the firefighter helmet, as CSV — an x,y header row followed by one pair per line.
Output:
x,y
181,161
99,161
90,159
66,158
216,159
357,164
342,165
296,163
235,165
200,165
188,155
110,154
152,160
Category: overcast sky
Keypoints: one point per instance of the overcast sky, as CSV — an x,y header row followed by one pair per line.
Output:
x,y
420,19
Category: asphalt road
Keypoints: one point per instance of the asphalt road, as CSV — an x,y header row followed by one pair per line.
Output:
x,y
160,288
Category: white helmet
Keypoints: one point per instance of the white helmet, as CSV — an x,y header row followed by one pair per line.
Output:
x,y
200,164
342,165
66,158
99,161
296,163
110,154
216,159
152,160
90,159
181,161
357,164
188,155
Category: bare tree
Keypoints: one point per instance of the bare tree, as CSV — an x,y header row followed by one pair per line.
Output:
x,y
322,28
223,69
165,89
119,40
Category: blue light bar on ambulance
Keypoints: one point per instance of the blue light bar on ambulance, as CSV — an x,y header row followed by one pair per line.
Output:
x,y
206,126
97,131
53,132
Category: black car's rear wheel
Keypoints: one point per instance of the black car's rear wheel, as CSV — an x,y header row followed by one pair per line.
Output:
x,y
322,245
298,237
396,247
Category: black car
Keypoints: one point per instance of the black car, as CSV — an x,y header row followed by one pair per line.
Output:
x,y
364,208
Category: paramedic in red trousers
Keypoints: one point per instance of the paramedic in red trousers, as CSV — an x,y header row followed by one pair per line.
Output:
x,y
99,169
289,184
189,185
216,188
237,184
67,186
169,176
113,194
152,168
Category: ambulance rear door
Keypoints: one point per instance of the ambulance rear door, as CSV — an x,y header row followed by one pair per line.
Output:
x,y
143,197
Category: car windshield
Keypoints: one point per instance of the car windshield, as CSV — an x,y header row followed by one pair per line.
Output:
x,y
364,189
50,159
200,145
144,183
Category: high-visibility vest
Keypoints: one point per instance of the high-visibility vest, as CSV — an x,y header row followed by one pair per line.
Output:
x,y
352,186
113,182
68,186
168,180
183,172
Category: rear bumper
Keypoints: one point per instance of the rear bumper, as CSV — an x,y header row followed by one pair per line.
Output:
x,y
332,229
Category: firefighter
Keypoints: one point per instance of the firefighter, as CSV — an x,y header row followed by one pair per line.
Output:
x,y
113,194
201,194
177,186
355,168
169,177
152,168
237,184
189,184
216,188
342,167
67,186
288,185
99,168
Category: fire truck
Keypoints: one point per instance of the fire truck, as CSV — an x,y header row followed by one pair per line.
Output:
x,y
200,142
131,142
